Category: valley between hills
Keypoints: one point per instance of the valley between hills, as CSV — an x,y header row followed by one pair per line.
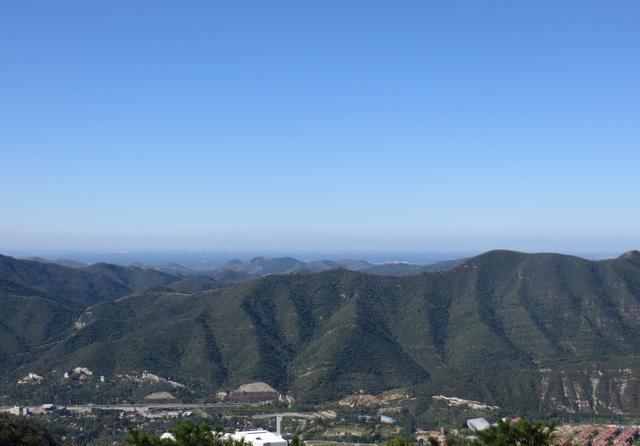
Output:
x,y
528,333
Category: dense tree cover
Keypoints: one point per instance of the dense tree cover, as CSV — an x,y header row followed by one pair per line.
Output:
x,y
21,431
459,440
400,441
296,441
504,433
83,286
522,433
479,331
185,433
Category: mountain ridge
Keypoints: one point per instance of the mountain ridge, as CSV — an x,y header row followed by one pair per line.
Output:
x,y
527,331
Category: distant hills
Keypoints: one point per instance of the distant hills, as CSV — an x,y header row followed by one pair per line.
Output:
x,y
236,270
530,332
86,285
62,262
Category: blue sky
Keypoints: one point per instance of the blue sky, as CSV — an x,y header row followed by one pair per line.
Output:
x,y
423,125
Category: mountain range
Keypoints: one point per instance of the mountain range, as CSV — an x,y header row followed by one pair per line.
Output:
x,y
531,332
236,270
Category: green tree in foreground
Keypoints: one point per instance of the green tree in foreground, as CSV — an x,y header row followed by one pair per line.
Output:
x,y
20,431
400,441
296,441
459,440
139,437
522,433
186,433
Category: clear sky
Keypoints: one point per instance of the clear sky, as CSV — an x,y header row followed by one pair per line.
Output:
x,y
450,125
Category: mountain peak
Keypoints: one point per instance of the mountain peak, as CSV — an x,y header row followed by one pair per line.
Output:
x,y
632,256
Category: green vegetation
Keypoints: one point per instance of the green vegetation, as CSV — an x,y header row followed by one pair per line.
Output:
x,y
400,441
84,286
522,433
101,430
185,433
20,431
296,441
526,332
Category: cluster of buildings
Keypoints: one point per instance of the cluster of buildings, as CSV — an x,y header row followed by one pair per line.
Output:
x,y
259,438
28,410
626,437
606,436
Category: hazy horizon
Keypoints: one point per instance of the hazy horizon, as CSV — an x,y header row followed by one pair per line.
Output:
x,y
211,259
465,244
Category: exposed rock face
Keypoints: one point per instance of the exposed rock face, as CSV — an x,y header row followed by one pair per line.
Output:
x,y
455,401
160,398
146,377
257,392
368,400
31,378
632,256
590,390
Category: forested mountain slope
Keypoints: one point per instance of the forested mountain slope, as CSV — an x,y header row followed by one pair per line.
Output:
x,y
528,331
86,285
